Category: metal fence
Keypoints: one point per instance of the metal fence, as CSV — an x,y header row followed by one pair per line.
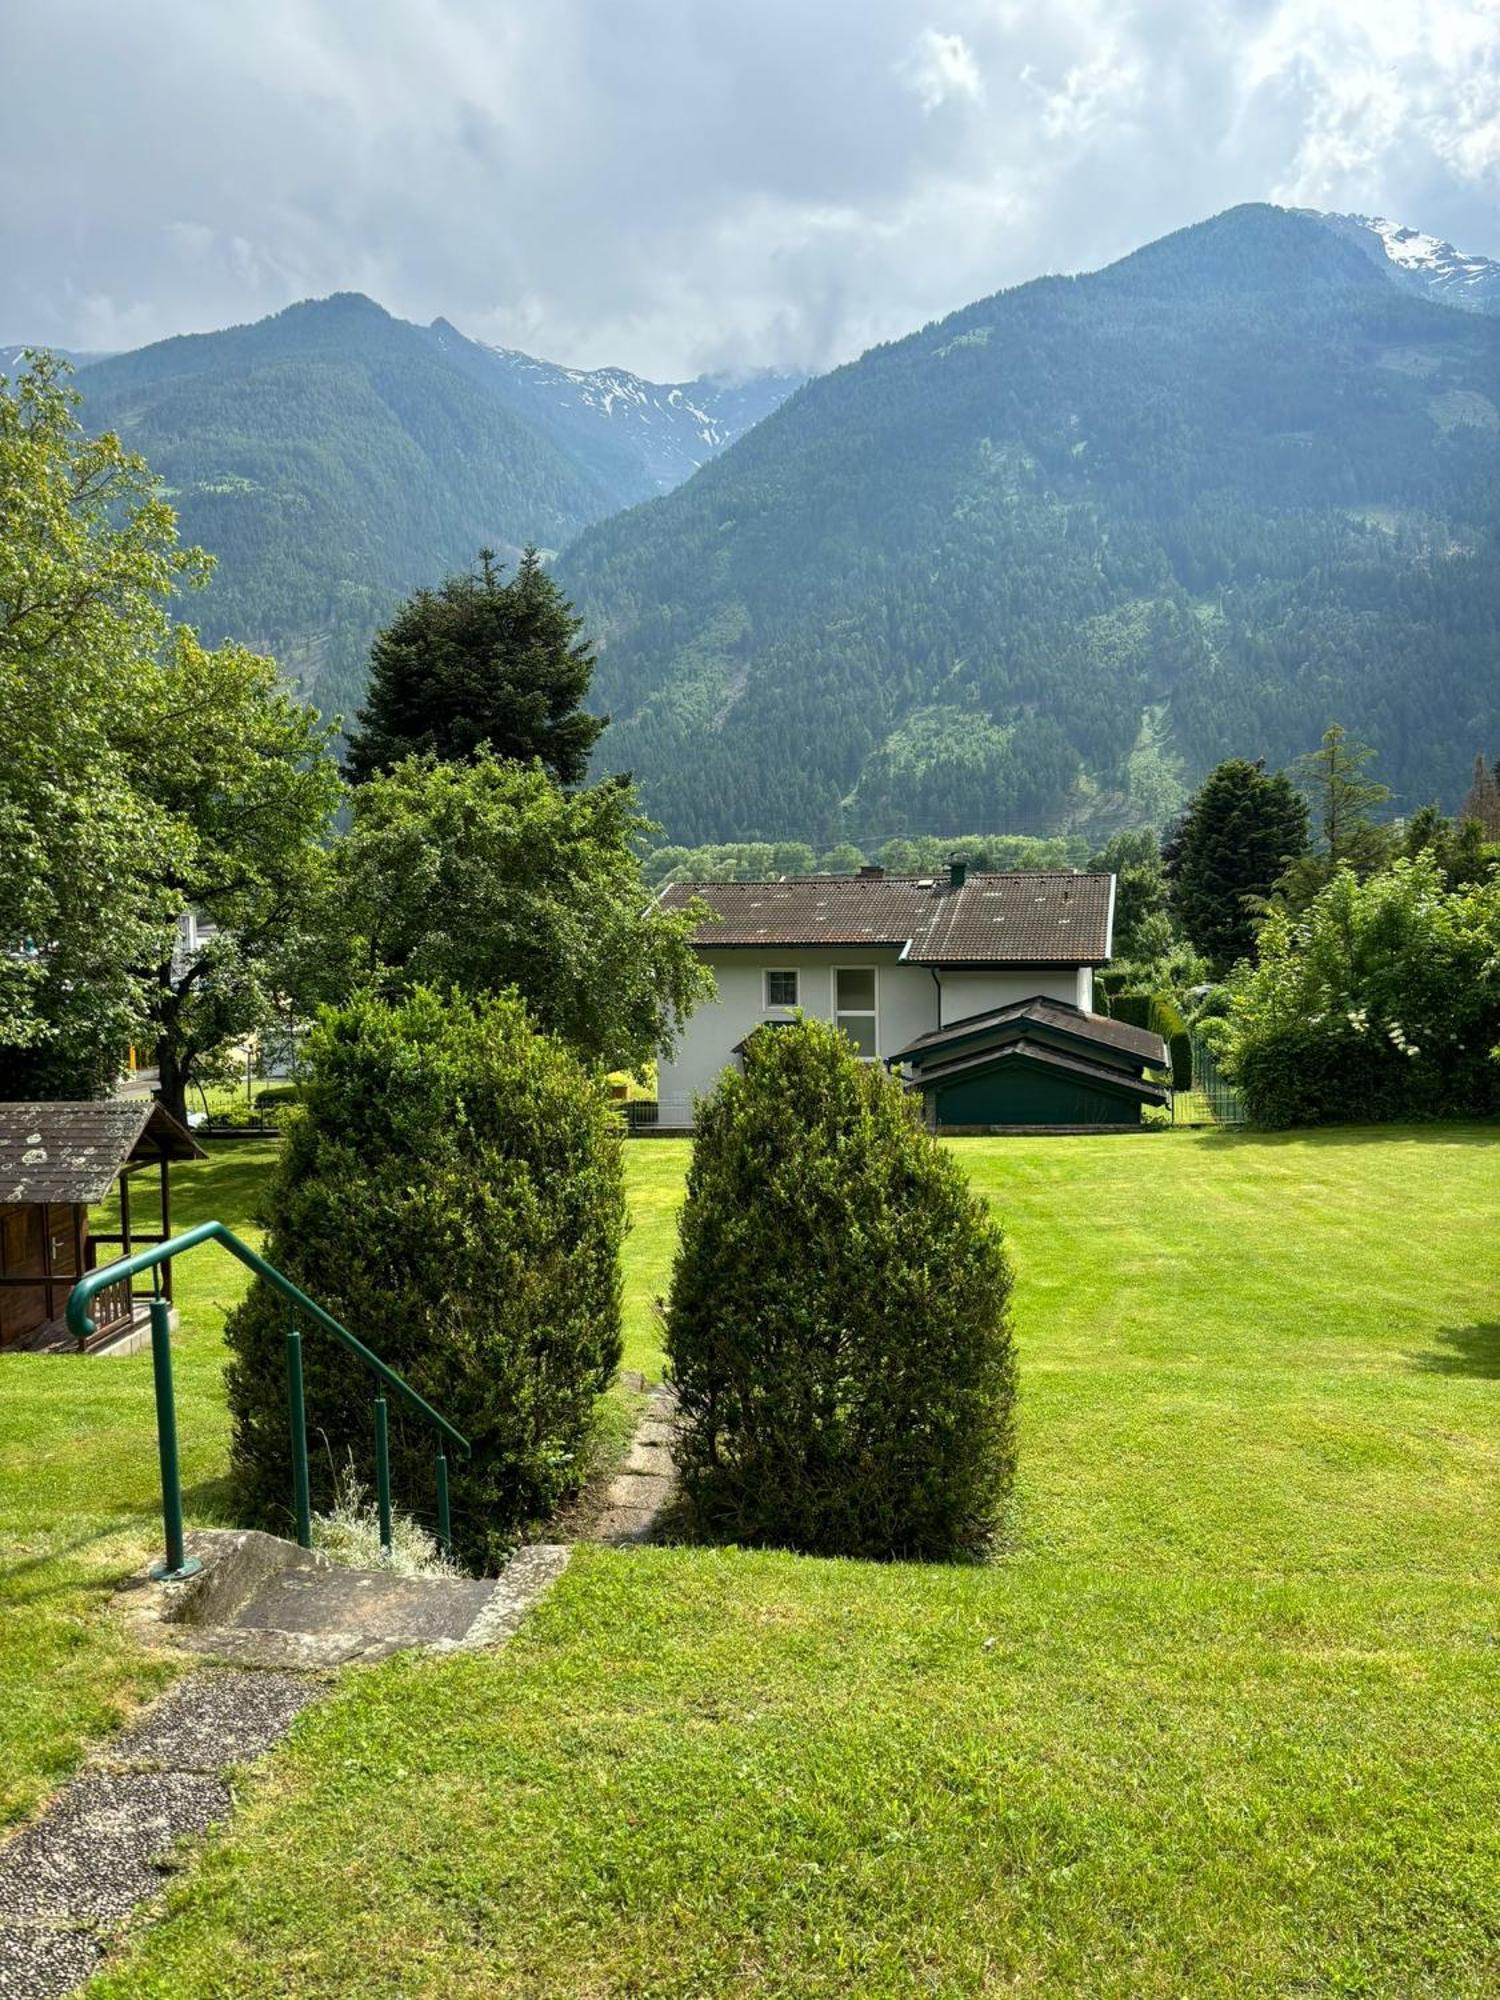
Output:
x,y
1213,1099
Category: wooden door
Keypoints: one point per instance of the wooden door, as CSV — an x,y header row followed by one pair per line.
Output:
x,y
23,1254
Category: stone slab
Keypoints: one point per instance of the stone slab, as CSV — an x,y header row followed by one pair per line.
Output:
x,y
212,1719
100,1847
626,1524
411,1610
650,1455
529,1572
236,1563
38,1962
283,1652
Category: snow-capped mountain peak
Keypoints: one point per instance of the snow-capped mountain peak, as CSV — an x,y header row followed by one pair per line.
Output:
x,y
644,437
1424,263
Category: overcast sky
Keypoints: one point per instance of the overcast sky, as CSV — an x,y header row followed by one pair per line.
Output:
x,y
684,184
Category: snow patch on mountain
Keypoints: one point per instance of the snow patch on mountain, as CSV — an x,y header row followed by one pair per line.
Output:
x,y
663,430
1423,263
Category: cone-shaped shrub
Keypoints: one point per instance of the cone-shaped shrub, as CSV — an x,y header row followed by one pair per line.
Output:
x,y
838,1329
450,1190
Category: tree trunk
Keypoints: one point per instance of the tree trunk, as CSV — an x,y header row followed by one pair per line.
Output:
x,y
173,1079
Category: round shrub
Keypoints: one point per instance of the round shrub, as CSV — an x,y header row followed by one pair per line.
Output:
x,y
450,1190
838,1330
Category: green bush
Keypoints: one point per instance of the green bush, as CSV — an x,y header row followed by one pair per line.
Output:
x,y
1132,1008
1381,1001
451,1191
1327,1073
838,1330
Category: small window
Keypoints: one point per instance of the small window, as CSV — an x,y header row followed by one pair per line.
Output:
x,y
781,989
854,1007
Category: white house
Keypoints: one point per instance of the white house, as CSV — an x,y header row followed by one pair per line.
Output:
x,y
894,959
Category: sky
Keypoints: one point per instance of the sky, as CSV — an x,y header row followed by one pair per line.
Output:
x,y
686,185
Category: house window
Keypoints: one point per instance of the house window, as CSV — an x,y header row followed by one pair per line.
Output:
x,y
781,989
854,1006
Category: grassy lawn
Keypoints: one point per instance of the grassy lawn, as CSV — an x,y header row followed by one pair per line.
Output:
x,y
80,1499
655,1171
1221,1722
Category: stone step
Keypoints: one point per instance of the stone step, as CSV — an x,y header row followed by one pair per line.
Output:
x,y
260,1601
411,1610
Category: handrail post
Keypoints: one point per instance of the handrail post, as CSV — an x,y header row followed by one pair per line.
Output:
x,y
444,1516
178,1563
297,1411
383,1473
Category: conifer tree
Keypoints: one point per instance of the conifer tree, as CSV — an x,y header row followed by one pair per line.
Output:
x,y
1342,801
1240,831
1482,802
481,661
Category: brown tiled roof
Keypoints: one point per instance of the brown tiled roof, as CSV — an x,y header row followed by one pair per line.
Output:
x,y
1056,1014
72,1152
1037,919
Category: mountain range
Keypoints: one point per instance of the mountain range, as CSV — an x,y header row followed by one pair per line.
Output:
x,y
333,458
1041,564
1034,567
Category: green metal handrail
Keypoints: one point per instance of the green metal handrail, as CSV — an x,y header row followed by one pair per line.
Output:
x,y
178,1563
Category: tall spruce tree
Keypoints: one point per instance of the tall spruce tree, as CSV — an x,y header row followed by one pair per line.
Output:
x,y
481,660
1241,830
1482,802
1342,801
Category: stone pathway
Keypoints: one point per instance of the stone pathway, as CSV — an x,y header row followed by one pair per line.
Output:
x,y
647,1483
104,1845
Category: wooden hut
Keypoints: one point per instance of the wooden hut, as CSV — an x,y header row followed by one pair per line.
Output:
x,y
57,1161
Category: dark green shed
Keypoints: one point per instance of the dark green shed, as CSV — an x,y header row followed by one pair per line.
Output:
x,y
1036,1064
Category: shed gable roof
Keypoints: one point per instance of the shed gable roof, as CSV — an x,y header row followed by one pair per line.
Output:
x,y
67,1152
1051,918
1113,1039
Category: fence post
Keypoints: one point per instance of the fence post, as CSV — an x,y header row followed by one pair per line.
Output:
x,y
178,1563
383,1472
297,1411
444,1515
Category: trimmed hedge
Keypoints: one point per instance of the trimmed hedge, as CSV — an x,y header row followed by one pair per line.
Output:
x,y
838,1330
1180,1048
451,1191
1327,1074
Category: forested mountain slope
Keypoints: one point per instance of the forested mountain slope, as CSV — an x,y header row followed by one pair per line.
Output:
x,y
332,458
1054,556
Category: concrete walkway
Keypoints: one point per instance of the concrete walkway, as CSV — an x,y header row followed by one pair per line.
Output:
x,y
105,1844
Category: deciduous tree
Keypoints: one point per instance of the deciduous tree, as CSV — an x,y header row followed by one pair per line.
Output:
x,y
246,772
489,875
88,563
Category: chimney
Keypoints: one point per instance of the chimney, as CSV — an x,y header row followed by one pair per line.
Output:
x,y
957,874
870,872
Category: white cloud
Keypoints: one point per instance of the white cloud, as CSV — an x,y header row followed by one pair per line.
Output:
x,y
675,186
940,68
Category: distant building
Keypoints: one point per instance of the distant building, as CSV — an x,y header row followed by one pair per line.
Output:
x,y
978,988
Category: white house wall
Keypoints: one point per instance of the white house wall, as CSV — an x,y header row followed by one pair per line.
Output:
x,y
977,992
906,1001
